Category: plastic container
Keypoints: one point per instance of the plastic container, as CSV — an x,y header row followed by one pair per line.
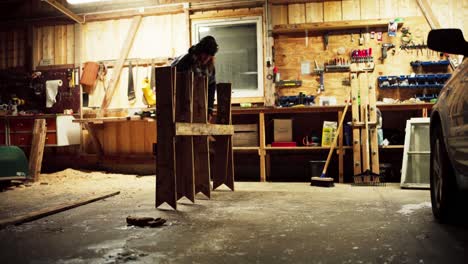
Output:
x,y
316,167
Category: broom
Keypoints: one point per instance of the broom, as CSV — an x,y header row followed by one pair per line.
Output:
x,y
323,181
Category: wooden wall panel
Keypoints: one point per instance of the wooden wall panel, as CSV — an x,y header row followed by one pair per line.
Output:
x,y
157,37
351,9
290,51
279,14
388,8
332,11
296,13
370,9
314,12
53,44
12,48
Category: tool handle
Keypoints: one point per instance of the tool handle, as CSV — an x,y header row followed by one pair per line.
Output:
x,y
335,138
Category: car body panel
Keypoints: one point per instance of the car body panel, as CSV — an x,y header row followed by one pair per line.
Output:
x,y
452,108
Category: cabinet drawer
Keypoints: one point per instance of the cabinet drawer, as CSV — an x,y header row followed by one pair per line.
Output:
x,y
51,138
2,126
51,124
25,139
20,125
22,139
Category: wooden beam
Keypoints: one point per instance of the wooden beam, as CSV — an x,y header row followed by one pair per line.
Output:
x,y
165,157
336,25
428,14
120,62
153,11
200,143
200,129
17,220
185,177
65,11
37,148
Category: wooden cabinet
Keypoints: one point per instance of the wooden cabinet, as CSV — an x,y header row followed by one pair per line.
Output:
x,y
18,130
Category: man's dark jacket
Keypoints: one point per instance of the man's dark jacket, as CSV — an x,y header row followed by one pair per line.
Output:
x,y
187,63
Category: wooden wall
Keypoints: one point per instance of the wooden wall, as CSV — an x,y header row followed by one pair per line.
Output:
x,y
164,36
292,49
53,45
13,48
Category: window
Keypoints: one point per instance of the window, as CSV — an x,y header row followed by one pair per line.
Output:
x,y
240,55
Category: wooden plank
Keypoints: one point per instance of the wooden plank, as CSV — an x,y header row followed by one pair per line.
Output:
x,y
388,8
364,94
3,50
166,191
200,143
223,173
150,136
340,151
351,9
47,44
374,142
335,25
296,13
332,11
66,11
123,137
355,118
110,144
37,46
70,44
191,129
92,131
279,14
264,168
227,13
128,43
314,12
429,14
37,148
15,46
18,220
137,141
370,9
185,178
58,37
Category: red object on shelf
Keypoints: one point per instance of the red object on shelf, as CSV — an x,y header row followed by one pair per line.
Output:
x,y
283,144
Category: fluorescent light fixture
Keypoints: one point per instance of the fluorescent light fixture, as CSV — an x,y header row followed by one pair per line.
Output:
x,y
76,2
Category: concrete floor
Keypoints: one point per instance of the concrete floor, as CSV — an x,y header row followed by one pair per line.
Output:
x,y
258,223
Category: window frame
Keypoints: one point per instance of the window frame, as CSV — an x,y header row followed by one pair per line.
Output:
x,y
239,93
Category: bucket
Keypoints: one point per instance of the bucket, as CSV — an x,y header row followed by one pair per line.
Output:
x,y
316,167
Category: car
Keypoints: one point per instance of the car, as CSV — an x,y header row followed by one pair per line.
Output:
x,y
449,131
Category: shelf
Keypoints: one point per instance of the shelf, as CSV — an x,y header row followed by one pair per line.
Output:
x,y
326,26
392,147
245,149
304,148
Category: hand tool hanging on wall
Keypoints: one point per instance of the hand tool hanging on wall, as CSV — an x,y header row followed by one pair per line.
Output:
x,y
385,48
325,40
131,88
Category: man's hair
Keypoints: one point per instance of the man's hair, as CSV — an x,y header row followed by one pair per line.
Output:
x,y
206,45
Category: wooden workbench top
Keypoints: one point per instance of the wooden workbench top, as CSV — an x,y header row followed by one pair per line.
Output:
x,y
113,119
334,108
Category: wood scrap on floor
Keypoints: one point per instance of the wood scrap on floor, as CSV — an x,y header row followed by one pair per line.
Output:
x,y
18,220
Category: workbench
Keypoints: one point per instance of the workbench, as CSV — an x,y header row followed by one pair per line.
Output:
x,y
121,136
312,116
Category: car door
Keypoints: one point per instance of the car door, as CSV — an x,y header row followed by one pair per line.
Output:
x,y
457,103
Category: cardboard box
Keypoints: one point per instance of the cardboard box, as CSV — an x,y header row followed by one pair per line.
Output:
x,y
245,135
282,130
